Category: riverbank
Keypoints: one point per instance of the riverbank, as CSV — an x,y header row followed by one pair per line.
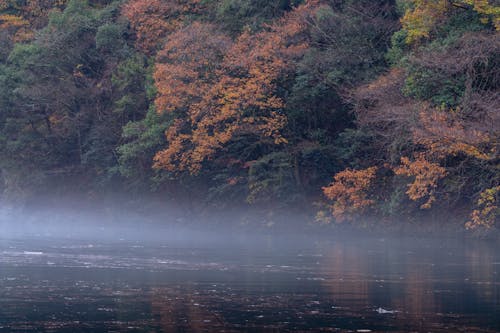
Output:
x,y
70,218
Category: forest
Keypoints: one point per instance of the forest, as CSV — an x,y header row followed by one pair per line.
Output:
x,y
350,112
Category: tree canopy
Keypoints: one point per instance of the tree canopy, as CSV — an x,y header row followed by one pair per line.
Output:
x,y
342,108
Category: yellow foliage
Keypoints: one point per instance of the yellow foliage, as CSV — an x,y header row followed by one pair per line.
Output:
x,y
23,17
490,12
487,211
7,21
424,15
419,21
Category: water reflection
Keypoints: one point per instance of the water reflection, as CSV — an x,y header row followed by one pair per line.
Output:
x,y
418,286
376,285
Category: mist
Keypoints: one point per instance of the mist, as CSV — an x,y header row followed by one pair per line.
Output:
x,y
249,166
118,220
85,267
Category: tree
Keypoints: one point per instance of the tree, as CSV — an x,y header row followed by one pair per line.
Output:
x,y
153,20
23,17
444,93
236,15
350,193
423,16
223,90
187,75
426,179
486,212
58,119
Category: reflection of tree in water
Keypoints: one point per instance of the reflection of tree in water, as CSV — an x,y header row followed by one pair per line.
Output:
x,y
197,309
429,290
345,268
480,262
183,310
367,281
416,298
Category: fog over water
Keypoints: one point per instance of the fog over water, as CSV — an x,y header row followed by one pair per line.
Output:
x,y
76,271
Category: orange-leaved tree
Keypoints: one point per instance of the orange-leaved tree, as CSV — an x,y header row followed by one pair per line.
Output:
x,y
188,75
350,193
153,20
426,176
219,90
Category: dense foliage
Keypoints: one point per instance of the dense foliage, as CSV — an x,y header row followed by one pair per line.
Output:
x,y
341,108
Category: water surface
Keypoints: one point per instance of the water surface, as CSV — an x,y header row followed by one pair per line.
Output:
x,y
265,285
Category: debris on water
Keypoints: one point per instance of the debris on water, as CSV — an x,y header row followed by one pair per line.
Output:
x,y
363,331
105,309
310,278
384,311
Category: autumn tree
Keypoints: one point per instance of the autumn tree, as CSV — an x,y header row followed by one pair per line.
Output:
x,y
444,94
255,102
224,89
425,176
187,73
153,20
423,16
486,212
350,193
23,17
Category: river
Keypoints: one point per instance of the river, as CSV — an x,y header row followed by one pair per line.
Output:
x,y
263,285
